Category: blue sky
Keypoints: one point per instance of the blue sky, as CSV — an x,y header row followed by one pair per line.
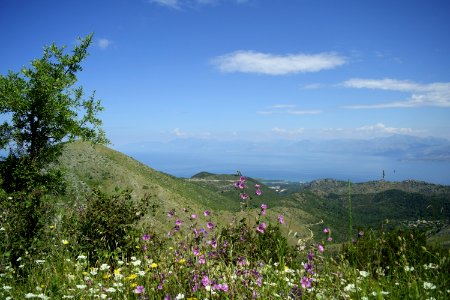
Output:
x,y
249,69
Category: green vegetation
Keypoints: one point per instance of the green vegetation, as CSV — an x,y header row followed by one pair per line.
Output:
x,y
81,221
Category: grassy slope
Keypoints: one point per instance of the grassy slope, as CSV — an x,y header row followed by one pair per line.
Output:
x,y
100,167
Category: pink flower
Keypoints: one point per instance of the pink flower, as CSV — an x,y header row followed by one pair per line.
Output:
x,y
206,213
206,281
210,225
281,219
263,206
261,227
139,289
146,237
244,196
178,222
193,216
257,186
329,239
320,247
306,282
326,230
258,192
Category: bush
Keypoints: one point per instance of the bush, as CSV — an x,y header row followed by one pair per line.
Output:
x,y
107,224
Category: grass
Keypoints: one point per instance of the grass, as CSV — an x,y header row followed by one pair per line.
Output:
x,y
175,250
231,262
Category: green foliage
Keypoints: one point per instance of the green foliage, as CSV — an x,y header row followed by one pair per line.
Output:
x,y
42,108
108,223
388,250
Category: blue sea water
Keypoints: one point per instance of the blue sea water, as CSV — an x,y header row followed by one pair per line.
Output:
x,y
303,168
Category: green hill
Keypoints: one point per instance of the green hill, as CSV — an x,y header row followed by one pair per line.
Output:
x,y
308,206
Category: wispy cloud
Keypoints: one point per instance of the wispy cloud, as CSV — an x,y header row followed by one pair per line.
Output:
x,y
288,109
381,128
104,43
271,64
432,94
288,133
167,3
177,4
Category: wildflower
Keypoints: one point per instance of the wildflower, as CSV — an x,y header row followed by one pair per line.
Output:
x,y
65,242
280,219
258,192
178,222
364,273
261,227
179,296
329,238
30,295
239,184
136,263
104,267
171,213
139,289
141,273
350,287
39,261
206,281
428,286
117,271
206,213
154,265
131,277
244,196
146,237
360,233
210,225
409,269
193,216
81,257
306,282
326,230
81,286
320,247
263,209
110,290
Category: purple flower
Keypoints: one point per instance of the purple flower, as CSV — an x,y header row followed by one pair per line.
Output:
x,y
139,289
258,192
326,230
281,219
202,260
320,247
206,213
171,213
196,251
242,178
178,222
263,206
310,256
261,227
167,297
210,225
239,185
206,281
306,282
146,237
257,186
193,216
329,239
244,196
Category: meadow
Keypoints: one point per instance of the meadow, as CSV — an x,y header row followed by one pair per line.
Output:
x,y
106,249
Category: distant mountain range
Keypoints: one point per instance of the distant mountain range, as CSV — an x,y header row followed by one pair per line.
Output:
x,y
400,147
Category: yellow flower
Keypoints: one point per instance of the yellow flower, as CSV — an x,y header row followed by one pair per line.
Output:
x,y
106,276
182,261
134,284
117,271
85,273
132,276
65,242
51,226
154,265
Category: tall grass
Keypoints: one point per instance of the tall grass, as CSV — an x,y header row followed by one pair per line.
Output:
x,y
244,259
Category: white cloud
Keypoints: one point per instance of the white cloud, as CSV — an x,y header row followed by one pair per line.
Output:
x,y
177,4
270,64
168,3
287,109
432,94
287,132
178,132
381,128
104,43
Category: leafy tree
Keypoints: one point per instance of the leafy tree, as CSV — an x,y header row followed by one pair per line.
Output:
x,y
43,108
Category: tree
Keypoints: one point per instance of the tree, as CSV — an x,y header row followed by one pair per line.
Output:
x,y
42,109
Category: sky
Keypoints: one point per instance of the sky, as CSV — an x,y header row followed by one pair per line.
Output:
x,y
255,70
